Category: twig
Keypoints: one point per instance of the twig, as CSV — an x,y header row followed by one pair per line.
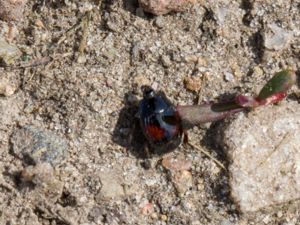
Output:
x,y
85,27
207,154
72,30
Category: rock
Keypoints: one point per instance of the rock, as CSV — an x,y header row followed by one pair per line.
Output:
x,y
159,21
96,214
257,71
12,9
112,185
183,181
147,209
166,61
180,175
37,145
160,7
176,164
43,177
8,52
228,76
263,148
6,87
277,38
193,83
141,80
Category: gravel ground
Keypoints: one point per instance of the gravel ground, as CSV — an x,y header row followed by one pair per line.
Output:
x,y
87,95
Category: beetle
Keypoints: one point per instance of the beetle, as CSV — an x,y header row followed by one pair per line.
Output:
x,y
160,121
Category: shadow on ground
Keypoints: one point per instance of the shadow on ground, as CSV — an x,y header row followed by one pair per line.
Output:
x,y
220,187
127,132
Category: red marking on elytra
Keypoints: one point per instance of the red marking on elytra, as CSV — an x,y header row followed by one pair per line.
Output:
x,y
155,132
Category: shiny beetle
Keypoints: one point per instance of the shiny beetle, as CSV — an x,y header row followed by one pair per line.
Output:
x,y
159,121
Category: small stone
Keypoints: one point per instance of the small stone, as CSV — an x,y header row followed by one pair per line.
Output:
x,y
7,88
183,181
137,52
154,216
201,61
81,59
160,7
277,38
166,61
200,185
263,147
96,214
279,214
191,59
266,220
164,217
12,9
193,83
228,76
141,80
42,175
176,164
159,22
8,52
112,26
148,209
35,145
257,71
112,185
236,70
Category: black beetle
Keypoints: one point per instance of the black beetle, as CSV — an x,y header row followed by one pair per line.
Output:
x,y
159,121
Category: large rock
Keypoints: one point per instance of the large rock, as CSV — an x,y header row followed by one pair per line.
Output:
x,y
35,145
264,150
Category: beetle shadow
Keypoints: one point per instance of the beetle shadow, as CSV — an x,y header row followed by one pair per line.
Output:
x,y
127,132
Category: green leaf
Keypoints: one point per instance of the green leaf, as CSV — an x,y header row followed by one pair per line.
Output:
x,y
281,82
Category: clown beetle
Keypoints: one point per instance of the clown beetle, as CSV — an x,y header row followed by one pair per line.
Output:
x,y
159,120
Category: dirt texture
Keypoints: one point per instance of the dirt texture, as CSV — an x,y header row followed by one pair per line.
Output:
x,y
79,78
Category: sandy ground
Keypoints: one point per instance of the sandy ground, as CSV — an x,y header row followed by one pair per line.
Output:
x,y
89,100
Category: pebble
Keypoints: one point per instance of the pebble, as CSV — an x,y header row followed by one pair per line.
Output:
x,y
141,80
35,145
12,9
166,61
112,185
96,214
7,88
193,83
263,148
183,181
136,51
46,183
257,71
159,21
164,217
277,38
160,7
147,209
176,163
8,52
228,76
